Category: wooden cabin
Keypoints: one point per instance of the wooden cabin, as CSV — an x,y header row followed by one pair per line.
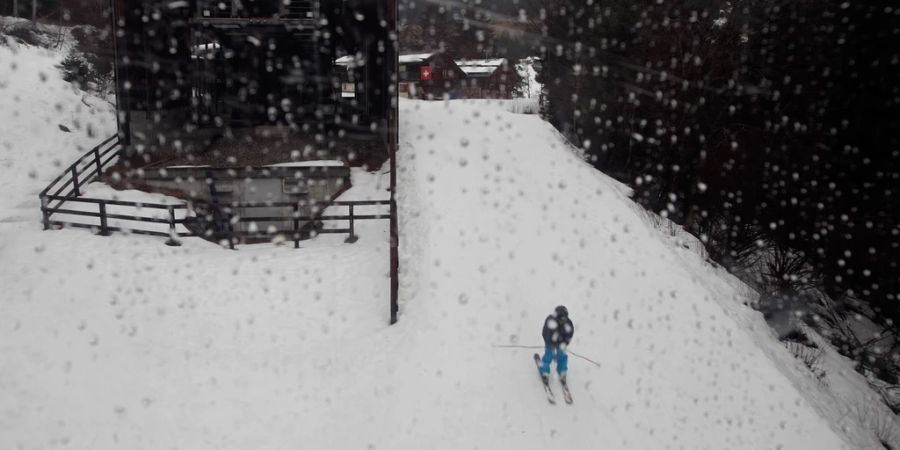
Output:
x,y
429,76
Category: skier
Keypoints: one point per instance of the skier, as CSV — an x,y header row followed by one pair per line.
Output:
x,y
558,331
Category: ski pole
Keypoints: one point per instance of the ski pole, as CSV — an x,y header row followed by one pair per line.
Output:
x,y
539,346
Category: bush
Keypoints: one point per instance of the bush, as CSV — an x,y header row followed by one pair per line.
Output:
x,y
91,63
811,357
76,69
96,47
23,34
878,365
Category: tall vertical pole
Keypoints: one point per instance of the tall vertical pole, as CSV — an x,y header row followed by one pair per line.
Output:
x,y
393,138
116,18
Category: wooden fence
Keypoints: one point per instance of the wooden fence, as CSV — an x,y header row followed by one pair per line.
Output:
x,y
319,213
63,196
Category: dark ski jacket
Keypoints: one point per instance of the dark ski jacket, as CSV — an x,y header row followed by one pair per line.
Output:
x,y
557,331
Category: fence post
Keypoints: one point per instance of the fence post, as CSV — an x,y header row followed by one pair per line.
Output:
x,y
296,228
75,181
44,212
304,232
97,160
172,242
352,238
229,229
104,227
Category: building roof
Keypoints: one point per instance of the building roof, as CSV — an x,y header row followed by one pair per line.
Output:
x,y
415,57
344,60
476,68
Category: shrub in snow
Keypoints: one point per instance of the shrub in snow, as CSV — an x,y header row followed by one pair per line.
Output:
x,y
22,34
76,69
90,64
875,363
810,356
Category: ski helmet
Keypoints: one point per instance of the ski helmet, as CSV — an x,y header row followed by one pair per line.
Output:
x,y
561,311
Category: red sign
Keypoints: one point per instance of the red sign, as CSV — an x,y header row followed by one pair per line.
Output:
x,y
425,72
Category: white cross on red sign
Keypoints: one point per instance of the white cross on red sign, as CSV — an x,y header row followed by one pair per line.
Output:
x,y
425,72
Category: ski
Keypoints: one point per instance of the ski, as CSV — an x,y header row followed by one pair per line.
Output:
x,y
545,379
565,389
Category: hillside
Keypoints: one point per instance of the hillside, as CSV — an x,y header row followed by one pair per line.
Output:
x,y
122,342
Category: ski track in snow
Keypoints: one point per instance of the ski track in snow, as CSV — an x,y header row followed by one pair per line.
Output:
x,y
122,342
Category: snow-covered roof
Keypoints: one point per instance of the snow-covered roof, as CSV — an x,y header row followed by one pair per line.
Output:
x,y
480,67
343,61
415,57
493,62
350,60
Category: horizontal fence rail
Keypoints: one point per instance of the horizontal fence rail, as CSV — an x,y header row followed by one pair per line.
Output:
x,y
242,212
64,197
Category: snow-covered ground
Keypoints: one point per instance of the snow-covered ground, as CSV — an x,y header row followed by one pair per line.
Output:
x,y
123,342
513,105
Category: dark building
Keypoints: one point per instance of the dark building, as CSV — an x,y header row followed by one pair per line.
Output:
x,y
429,76
252,81
234,104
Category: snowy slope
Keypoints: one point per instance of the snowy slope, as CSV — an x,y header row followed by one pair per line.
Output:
x,y
509,220
122,342
34,102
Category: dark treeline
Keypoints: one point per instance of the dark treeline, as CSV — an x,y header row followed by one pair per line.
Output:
x,y
467,29
762,126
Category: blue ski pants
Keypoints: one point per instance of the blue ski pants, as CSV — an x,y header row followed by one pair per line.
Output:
x,y
562,360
